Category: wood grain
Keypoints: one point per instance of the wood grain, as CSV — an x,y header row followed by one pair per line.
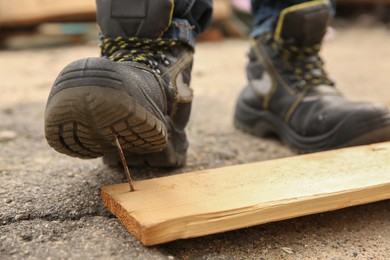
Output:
x,y
217,200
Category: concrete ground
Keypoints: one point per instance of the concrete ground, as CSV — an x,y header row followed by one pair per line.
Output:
x,y
50,206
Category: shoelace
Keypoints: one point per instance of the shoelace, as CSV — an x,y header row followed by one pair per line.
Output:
x,y
142,50
304,63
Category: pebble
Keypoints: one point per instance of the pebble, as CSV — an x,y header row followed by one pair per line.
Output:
x,y
287,250
7,136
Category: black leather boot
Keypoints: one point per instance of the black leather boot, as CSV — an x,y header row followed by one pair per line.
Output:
x,y
138,91
290,95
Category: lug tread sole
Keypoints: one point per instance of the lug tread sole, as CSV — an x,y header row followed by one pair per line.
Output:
x,y
83,122
263,124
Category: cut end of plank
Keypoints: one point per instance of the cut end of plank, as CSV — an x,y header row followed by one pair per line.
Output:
x,y
218,200
121,213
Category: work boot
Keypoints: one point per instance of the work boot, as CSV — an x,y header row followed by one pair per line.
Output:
x,y
291,96
137,92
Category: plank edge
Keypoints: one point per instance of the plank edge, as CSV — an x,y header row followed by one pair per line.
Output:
x,y
262,214
259,214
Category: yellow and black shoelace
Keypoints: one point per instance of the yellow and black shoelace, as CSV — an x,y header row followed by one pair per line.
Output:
x,y
305,64
142,50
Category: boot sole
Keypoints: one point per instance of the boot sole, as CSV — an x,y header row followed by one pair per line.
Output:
x,y
83,122
264,123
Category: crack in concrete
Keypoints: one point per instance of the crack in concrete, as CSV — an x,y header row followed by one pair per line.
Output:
x,y
50,218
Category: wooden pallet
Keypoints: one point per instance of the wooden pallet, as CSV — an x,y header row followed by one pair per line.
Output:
x,y
218,200
32,12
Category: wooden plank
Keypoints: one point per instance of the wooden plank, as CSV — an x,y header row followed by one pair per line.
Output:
x,y
31,12
211,201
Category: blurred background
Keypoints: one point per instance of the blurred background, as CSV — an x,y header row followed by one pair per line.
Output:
x,y
50,203
42,23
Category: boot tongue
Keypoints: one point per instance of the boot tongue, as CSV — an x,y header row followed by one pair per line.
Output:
x,y
303,24
134,18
